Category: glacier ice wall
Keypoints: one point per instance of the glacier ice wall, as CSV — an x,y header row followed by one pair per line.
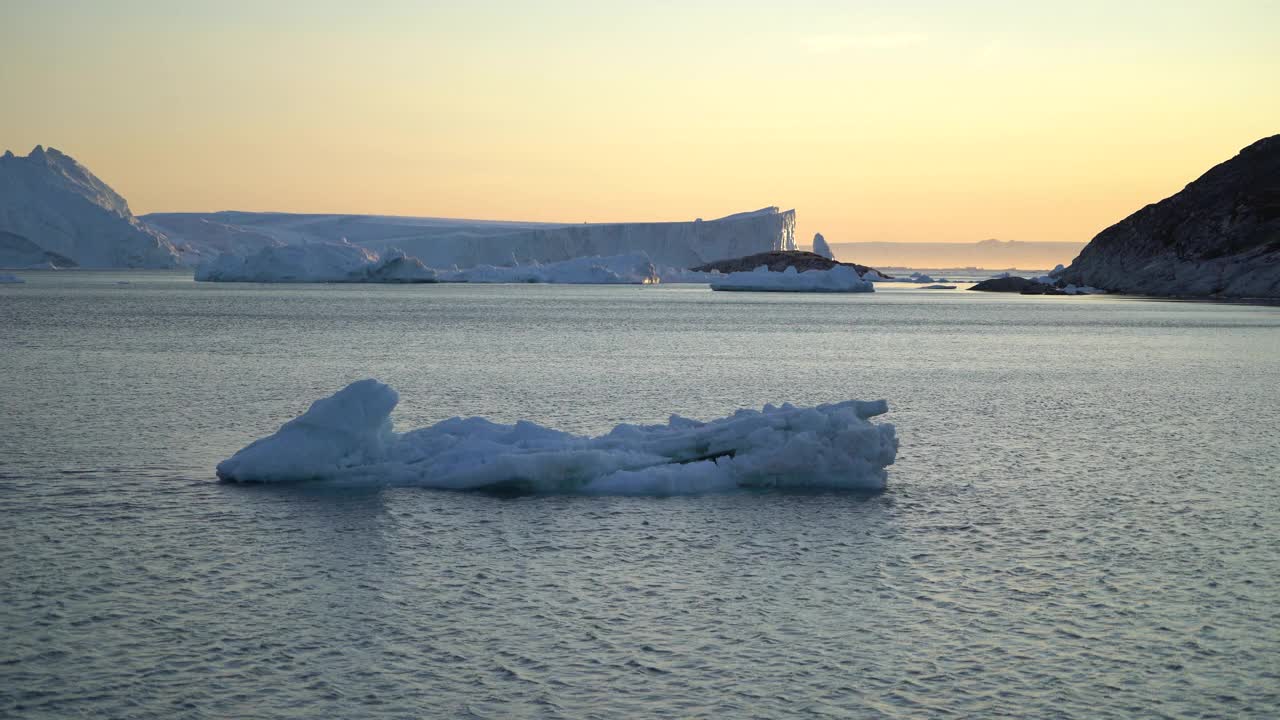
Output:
x,y
444,243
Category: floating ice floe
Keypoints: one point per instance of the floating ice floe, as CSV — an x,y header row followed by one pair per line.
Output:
x,y
841,278
9,278
349,437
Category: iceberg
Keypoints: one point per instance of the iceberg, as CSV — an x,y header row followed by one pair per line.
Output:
x,y
346,263
54,211
820,247
7,278
447,243
348,437
339,262
841,278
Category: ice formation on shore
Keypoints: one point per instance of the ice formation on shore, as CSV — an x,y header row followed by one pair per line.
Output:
x,y
348,436
841,278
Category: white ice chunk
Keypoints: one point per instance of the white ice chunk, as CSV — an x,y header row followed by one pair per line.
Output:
x,y
841,278
349,437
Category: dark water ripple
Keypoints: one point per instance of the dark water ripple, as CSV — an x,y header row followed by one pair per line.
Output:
x,y
1083,521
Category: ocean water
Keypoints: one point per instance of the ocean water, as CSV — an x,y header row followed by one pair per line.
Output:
x,y
1083,522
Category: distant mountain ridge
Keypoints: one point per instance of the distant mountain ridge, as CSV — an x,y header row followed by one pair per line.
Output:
x,y
59,206
1220,235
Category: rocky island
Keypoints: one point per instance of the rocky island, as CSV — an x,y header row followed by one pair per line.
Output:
x,y
779,261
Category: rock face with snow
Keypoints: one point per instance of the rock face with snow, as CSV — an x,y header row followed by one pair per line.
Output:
x,y
445,243
349,437
1219,236
19,252
56,204
841,278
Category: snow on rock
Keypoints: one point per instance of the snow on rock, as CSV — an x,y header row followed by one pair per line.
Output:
x,y
820,247
349,437
6,278
65,212
841,278
447,243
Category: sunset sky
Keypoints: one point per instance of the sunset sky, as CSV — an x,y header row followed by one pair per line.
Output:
x,y
907,121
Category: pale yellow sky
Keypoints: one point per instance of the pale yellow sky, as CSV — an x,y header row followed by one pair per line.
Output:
x,y
908,121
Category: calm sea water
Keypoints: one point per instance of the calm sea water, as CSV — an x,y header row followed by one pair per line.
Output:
x,y
1084,520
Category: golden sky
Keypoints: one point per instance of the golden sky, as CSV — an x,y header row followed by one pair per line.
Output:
x,y
906,121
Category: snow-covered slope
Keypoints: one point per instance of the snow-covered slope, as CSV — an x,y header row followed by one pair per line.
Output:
x,y
349,437
446,243
55,203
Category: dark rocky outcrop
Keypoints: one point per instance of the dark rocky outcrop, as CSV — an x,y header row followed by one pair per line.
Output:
x,y
1219,236
1021,285
778,261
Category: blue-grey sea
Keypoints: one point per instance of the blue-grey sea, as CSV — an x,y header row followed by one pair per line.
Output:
x,y
1083,521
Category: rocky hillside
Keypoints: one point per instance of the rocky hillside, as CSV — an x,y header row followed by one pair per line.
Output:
x,y
56,204
1219,236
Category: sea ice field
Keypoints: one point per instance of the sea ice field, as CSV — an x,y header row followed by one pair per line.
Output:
x,y
1081,519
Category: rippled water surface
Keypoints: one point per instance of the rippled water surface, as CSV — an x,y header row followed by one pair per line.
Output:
x,y
1083,522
